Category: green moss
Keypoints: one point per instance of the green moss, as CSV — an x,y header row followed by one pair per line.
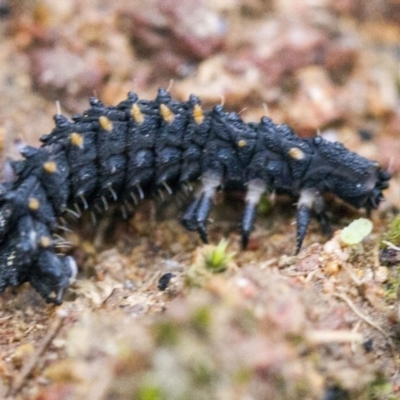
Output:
x,y
392,285
217,258
201,318
211,260
380,389
203,373
242,376
392,234
301,388
196,276
149,392
264,206
166,333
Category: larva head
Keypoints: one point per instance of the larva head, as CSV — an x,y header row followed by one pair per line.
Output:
x,y
353,178
51,275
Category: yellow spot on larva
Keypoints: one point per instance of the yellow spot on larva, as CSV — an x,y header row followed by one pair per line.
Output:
x,y
166,113
242,143
50,167
33,203
45,241
296,153
105,123
198,114
137,114
76,139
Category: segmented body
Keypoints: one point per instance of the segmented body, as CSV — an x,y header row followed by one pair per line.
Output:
x,y
127,152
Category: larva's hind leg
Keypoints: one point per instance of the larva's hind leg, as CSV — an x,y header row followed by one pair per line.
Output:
x,y
325,224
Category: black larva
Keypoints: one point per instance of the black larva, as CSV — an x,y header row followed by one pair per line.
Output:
x,y
128,152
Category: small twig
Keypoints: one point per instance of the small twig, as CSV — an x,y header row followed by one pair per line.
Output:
x,y
311,275
324,336
391,245
355,330
152,281
295,274
363,317
375,256
353,276
30,365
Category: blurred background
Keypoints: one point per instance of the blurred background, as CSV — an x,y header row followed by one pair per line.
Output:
x,y
322,65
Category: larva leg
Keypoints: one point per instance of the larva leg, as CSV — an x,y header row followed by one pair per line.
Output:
x,y
202,214
255,189
195,218
310,199
188,219
322,217
303,216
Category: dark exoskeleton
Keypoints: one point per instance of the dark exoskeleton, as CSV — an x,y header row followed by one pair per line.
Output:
x,y
138,148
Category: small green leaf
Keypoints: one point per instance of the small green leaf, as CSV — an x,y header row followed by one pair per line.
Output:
x,y
356,232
